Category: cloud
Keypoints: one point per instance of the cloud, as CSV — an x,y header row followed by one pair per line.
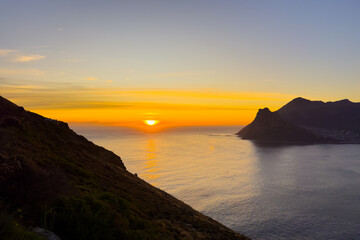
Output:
x,y
210,94
17,57
5,52
22,72
34,95
60,29
28,58
162,95
69,96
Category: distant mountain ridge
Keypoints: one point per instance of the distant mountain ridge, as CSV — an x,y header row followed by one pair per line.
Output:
x,y
306,121
339,115
55,179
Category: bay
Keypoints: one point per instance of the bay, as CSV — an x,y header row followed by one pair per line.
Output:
x,y
263,191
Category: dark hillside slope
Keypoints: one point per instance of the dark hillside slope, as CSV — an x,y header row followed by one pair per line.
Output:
x,y
60,181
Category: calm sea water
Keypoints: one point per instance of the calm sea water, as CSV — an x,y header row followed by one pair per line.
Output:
x,y
265,192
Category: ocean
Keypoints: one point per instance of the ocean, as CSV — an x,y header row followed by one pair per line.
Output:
x,y
263,191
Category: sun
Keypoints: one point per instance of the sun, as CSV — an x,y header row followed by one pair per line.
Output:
x,y
151,122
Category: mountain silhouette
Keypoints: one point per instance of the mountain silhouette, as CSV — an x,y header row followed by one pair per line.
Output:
x,y
305,121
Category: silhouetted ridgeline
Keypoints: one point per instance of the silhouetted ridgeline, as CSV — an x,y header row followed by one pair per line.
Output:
x,y
52,178
305,121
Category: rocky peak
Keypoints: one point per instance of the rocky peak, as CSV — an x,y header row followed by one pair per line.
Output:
x,y
262,112
265,117
300,100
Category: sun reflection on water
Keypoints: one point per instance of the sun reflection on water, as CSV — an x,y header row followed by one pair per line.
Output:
x,y
151,167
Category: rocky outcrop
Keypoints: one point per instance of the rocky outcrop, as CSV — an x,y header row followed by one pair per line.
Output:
x,y
45,233
271,127
305,121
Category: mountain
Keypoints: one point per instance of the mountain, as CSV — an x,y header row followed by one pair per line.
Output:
x,y
339,115
305,121
52,178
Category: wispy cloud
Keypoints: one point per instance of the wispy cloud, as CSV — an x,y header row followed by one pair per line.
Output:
x,y
35,95
15,55
210,94
5,52
28,58
22,72
160,94
142,106
71,96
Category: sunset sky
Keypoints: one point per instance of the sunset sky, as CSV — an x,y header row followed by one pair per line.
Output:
x,y
179,62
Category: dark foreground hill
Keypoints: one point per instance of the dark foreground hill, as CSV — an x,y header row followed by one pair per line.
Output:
x,y
305,121
52,178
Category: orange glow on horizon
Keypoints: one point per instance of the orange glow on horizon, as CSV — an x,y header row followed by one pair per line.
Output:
x,y
134,117
146,109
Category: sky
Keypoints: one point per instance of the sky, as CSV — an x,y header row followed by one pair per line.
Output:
x,y
179,62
